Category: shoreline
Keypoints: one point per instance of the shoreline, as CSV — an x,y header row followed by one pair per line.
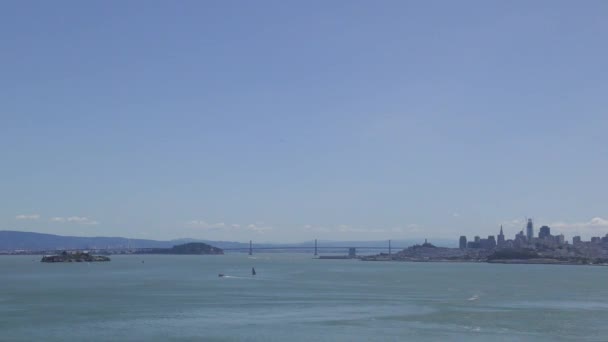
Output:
x,y
501,261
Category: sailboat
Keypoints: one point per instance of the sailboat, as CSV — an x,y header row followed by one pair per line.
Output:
x,y
252,271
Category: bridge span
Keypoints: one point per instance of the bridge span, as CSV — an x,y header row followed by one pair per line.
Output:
x,y
315,248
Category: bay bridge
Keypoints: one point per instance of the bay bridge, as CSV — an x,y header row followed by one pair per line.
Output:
x,y
315,248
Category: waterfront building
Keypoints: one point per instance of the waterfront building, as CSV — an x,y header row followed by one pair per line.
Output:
x,y
560,239
576,240
491,242
544,232
596,239
530,230
477,239
520,240
463,242
473,244
501,238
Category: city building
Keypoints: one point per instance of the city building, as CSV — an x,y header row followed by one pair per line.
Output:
x,y
544,232
545,245
530,230
489,243
473,244
501,238
520,239
463,242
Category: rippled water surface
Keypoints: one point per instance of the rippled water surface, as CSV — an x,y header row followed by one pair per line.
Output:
x,y
297,298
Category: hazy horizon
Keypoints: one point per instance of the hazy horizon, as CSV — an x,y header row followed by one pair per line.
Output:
x,y
440,239
288,121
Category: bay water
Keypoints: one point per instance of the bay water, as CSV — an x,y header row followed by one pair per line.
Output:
x,y
295,297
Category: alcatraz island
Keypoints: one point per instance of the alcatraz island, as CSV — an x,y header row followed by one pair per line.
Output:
x,y
525,248
75,256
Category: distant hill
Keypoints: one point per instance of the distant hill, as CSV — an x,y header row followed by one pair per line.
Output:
x,y
377,243
14,240
191,248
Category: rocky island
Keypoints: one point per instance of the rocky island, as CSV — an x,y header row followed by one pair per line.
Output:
x,y
74,257
193,248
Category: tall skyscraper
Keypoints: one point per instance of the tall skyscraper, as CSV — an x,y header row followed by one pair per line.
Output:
x,y
529,230
463,242
544,232
501,238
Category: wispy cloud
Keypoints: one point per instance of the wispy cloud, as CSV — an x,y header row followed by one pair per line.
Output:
x,y
513,225
27,217
75,220
316,229
205,225
413,228
597,226
594,227
345,228
258,227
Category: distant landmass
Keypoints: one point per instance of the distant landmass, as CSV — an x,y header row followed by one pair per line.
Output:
x,y
192,248
31,241
14,240
74,257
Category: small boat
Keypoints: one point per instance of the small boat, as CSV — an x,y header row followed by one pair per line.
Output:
x,y
252,271
221,275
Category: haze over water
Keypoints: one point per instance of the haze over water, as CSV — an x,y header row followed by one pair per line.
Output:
x,y
295,297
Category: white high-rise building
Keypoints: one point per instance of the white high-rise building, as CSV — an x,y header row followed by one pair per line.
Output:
x,y
530,230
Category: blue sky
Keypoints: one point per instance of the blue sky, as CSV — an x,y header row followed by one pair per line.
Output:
x,y
288,121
